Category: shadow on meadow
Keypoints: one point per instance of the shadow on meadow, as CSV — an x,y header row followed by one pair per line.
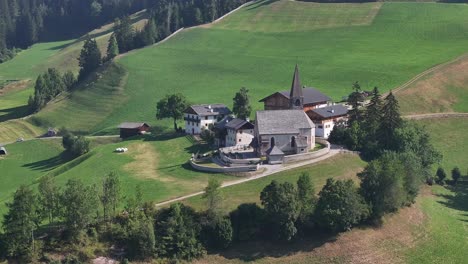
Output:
x,y
51,163
459,199
256,250
14,113
260,4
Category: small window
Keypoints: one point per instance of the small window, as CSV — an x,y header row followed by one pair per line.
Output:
x,y
206,118
240,131
240,139
298,102
320,126
206,124
272,142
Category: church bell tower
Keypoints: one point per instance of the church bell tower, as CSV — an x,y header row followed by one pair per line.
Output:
x,y
296,98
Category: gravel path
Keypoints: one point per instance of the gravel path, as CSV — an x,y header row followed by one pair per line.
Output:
x,y
268,170
435,115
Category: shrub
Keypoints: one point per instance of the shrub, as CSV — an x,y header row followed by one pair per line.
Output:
x,y
217,233
340,206
456,174
247,221
441,175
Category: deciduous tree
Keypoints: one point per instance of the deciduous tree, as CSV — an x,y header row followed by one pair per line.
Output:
x,y
172,106
282,208
241,106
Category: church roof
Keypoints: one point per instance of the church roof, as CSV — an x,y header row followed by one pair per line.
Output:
x,y
296,87
274,122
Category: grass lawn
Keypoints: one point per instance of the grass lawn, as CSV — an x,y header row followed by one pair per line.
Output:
x,y
28,64
208,65
449,135
377,44
156,163
446,227
341,166
444,90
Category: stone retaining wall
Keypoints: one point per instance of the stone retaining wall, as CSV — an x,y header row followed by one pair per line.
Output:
x,y
235,169
310,155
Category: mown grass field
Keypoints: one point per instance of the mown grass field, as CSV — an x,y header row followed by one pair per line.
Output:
x,y
28,64
335,44
444,90
389,45
449,136
158,164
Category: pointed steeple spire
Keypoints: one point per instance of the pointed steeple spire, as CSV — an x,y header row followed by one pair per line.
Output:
x,y
295,96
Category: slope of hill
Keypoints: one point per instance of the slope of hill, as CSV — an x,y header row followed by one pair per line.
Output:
x,y
211,64
442,90
61,55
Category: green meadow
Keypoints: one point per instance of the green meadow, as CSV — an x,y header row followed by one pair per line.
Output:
x,y
158,164
450,137
378,44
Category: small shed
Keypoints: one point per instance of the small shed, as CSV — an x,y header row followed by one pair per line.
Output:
x,y
130,129
51,132
275,155
3,151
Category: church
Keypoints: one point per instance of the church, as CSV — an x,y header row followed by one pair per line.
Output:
x,y
284,128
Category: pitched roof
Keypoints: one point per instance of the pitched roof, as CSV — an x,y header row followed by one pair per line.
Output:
x,y
331,111
275,151
237,123
296,87
208,109
132,125
311,96
223,122
282,122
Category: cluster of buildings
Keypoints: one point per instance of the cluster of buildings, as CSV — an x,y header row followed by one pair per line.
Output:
x,y
288,124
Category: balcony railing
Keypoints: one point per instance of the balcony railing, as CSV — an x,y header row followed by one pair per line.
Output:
x,y
192,119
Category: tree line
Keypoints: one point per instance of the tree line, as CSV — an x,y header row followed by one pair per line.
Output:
x,y
25,22
66,220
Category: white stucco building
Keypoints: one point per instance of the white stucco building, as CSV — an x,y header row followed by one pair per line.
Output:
x,y
198,117
325,118
239,133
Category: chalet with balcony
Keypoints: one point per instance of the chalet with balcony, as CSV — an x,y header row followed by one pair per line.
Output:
x,y
298,97
325,118
198,117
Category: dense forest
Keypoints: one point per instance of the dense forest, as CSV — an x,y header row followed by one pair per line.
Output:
x,y
25,22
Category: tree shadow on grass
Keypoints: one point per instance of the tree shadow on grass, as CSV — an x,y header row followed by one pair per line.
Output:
x,y
255,250
260,4
14,113
50,164
459,200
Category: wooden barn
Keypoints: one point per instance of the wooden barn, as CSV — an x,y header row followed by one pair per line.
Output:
x,y
130,129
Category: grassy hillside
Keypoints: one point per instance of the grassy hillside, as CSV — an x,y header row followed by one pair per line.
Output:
x,y
158,164
35,60
335,45
444,90
449,135
393,43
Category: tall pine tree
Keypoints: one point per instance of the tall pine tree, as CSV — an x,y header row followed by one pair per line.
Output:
x,y
112,48
90,58
391,121
20,223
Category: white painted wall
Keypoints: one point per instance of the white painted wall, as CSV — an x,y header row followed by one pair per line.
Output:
x,y
324,128
239,137
196,128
